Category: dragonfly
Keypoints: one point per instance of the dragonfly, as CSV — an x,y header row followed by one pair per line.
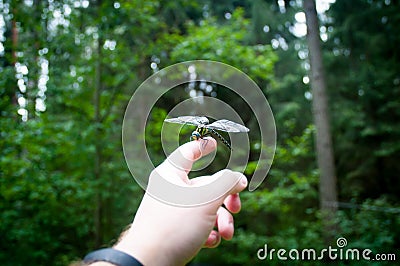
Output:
x,y
205,129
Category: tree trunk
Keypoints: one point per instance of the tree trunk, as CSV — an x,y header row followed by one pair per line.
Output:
x,y
14,48
326,165
98,219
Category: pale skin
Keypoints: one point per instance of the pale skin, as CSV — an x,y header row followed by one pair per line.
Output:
x,y
162,234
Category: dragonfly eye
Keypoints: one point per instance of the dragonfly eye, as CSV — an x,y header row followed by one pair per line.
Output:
x,y
195,135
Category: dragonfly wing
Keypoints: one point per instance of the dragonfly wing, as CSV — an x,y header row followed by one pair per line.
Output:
x,y
228,126
191,120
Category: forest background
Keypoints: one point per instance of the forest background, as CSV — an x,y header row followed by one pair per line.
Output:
x,y
68,69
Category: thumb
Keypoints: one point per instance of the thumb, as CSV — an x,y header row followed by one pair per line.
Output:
x,y
225,182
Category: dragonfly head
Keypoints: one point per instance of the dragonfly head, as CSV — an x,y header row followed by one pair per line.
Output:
x,y
195,135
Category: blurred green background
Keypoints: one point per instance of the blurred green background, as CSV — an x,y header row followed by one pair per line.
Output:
x,y
68,69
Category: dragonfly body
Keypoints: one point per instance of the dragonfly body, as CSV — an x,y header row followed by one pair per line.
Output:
x,y
200,132
204,129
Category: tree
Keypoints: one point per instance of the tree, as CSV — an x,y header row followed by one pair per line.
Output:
x,y
362,56
326,165
63,175
62,170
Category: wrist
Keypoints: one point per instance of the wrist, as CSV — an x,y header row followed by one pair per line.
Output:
x,y
145,249
136,248
128,245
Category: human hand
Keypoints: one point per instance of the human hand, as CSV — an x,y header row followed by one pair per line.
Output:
x,y
164,234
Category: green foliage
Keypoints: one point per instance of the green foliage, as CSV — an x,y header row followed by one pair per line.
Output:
x,y
63,165
377,217
64,186
225,43
363,53
153,135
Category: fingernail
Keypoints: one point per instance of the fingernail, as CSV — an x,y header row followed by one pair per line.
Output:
x,y
214,240
244,181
